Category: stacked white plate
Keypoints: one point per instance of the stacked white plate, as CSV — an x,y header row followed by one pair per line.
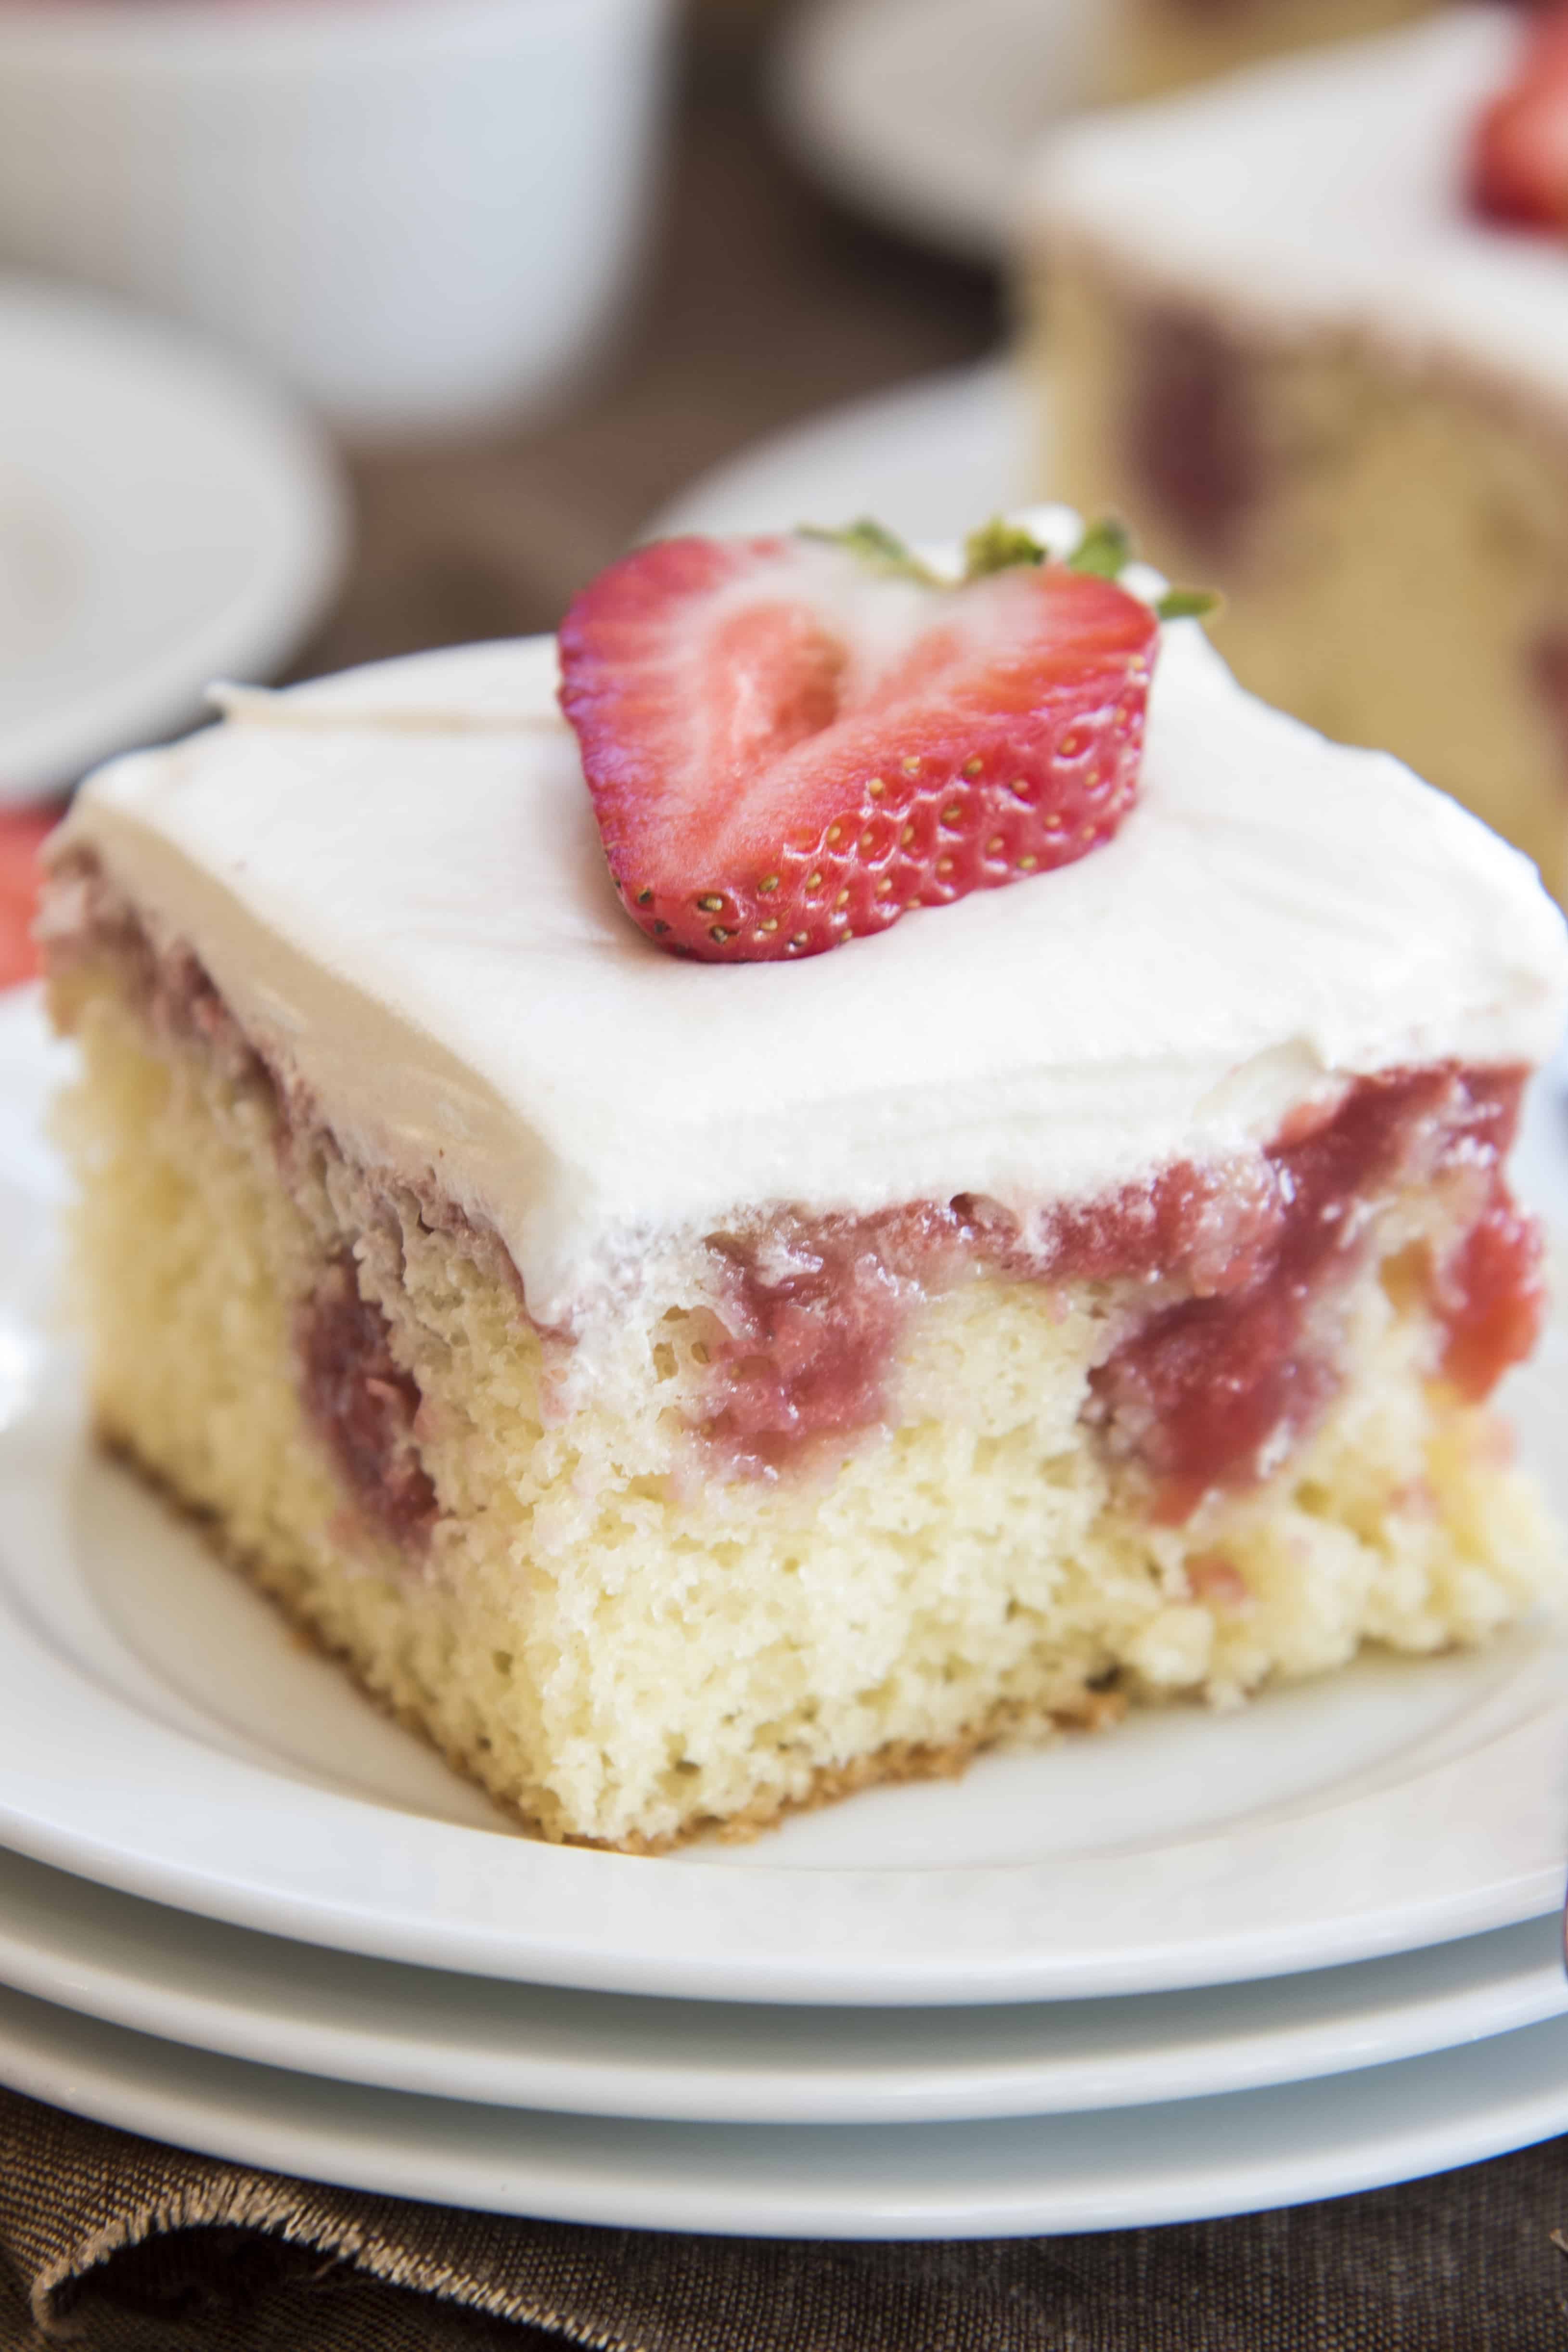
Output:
x,y
926,116
165,520
1212,1964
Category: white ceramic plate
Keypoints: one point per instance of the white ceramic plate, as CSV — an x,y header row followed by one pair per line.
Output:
x,y
1251,2152
161,1733
331,2013
924,113
164,520
930,460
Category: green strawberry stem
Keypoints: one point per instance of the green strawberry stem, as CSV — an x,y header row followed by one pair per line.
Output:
x,y
1187,603
1105,552
879,549
998,546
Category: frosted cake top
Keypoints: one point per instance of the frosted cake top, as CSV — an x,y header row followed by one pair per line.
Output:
x,y
394,878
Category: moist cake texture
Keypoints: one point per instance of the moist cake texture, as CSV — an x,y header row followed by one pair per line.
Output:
x,y
684,1392
1272,333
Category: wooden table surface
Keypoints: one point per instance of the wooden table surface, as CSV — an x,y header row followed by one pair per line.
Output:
x,y
759,302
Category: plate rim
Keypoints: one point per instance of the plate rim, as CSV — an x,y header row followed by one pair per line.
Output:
x,y
706,504
827,107
278,589
808,2181
104,1956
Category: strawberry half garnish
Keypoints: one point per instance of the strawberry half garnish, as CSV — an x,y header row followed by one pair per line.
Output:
x,y
792,742
1519,164
21,831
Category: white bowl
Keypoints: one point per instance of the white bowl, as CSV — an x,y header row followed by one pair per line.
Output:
x,y
420,213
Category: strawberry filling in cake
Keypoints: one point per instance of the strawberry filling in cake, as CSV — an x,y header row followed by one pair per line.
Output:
x,y
698,1331
1203,1392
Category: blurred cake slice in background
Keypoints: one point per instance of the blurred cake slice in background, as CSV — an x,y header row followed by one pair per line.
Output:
x,y
1155,46
1284,326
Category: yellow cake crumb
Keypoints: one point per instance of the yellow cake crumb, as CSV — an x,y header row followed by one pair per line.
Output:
x,y
624,1652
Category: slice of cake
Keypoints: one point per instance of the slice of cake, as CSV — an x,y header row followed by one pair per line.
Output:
x,y
687,1386
1281,332
1156,46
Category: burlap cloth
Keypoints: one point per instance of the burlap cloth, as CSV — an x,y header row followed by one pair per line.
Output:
x,y
112,2244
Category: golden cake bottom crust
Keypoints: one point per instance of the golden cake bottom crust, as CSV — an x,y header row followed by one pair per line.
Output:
x,y
629,1635
899,1761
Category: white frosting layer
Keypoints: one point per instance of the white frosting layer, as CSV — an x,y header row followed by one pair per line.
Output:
x,y
394,878
1328,192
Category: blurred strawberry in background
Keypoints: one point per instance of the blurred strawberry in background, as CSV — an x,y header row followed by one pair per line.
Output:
x,y
21,831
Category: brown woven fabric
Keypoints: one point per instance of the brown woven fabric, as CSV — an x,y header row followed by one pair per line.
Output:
x,y
117,2245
